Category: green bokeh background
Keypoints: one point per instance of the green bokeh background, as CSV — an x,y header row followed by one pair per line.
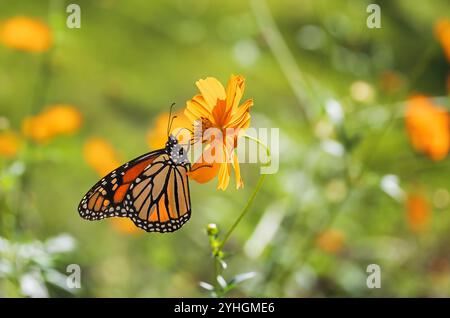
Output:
x,y
131,59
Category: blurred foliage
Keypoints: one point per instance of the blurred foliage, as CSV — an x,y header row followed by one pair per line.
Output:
x,y
356,185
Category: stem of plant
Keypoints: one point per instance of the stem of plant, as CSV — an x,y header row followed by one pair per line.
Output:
x,y
216,244
252,197
244,211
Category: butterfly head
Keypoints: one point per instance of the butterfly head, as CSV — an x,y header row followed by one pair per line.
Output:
x,y
177,152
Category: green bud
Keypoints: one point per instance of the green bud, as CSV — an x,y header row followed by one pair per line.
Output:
x,y
212,229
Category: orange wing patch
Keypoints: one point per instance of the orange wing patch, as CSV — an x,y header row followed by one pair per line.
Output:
x,y
119,195
128,178
134,172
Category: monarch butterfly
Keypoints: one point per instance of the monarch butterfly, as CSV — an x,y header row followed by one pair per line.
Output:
x,y
152,190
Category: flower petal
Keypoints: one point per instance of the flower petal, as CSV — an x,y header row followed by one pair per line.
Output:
x,y
241,116
224,176
220,113
237,172
212,90
197,108
203,172
235,90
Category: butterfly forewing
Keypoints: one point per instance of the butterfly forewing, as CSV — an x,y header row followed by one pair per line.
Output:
x,y
106,197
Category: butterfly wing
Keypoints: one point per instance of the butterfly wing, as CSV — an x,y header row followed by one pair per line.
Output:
x,y
159,199
106,197
150,190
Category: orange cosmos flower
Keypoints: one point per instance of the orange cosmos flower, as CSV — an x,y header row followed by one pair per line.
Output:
x,y
100,155
418,212
331,241
9,143
157,136
25,34
218,108
55,120
442,32
125,226
428,127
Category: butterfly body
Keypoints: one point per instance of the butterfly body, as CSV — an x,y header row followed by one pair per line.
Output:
x,y
152,190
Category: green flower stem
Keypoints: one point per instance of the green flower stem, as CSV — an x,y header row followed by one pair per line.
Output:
x,y
244,211
213,232
259,142
252,197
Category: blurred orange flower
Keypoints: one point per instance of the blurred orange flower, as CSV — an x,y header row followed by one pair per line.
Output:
x,y
331,241
55,120
218,108
125,226
428,127
100,155
442,32
26,34
418,212
9,143
157,135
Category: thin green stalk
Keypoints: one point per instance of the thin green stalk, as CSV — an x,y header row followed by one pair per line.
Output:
x,y
259,142
283,55
216,274
244,211
252,197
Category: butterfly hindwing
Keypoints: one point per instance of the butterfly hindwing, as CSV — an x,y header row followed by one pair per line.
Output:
x,y
159,199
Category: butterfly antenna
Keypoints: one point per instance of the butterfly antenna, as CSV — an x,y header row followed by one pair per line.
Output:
x,y
170,121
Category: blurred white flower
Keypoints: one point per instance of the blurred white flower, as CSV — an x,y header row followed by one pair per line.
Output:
x,y
390,185
239,278
62,243
222,282
17,168
333,147
334,111
206,286
34,251
32,285
32,263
